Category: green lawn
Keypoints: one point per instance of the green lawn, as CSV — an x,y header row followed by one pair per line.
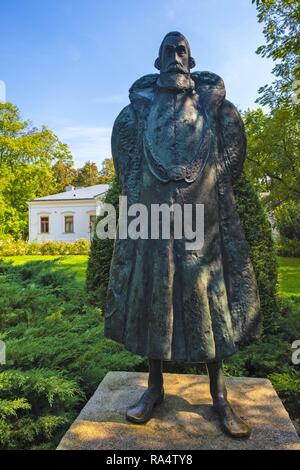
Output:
x,y
289,277
75,264
289,269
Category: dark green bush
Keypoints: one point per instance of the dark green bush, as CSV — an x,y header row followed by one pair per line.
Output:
x,y
288,248
287,217
11,247
34,406
288,387
101,254
56,353
258,233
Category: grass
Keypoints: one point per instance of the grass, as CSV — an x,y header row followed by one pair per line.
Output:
x,y
289,269
289,277
71,264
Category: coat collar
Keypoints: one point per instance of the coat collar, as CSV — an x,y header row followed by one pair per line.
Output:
x,y
208,85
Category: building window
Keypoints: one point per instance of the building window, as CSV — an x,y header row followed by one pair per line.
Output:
x,y
92,223
69,224
44,224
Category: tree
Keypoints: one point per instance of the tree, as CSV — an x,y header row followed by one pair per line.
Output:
x,y
281,19
88,175
107,171
27,155
64,174
274,138
273,153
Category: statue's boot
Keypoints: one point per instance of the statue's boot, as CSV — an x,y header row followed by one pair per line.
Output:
x,y
230,423
141,411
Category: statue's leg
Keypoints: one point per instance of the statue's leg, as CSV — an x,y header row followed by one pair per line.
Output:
x,y
231,424
141,411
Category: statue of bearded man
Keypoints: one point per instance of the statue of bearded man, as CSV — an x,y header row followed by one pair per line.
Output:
x,y
179,141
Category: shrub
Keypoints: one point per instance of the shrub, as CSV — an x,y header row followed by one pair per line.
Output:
x,y
101,254
45,399
288,387
258,233
10,247
287,217
55,350
34,405
288,248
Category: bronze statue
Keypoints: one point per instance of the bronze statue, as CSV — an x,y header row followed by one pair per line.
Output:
x,y
180,141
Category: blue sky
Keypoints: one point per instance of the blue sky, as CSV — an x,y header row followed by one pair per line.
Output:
x,y
68,64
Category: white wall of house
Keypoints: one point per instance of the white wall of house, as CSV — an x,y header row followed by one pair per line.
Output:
x,y
56,211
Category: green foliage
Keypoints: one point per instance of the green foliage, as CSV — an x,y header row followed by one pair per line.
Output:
x,y
26,158
288,223
271,358
272,163
288,220
101,254
281,20
64,174
262,252
34,405
273,138
34,163
88,175
56,353
107,172
10,247
288,387
287,247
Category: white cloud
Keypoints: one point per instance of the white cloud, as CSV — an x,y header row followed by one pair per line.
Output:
x,y
86,143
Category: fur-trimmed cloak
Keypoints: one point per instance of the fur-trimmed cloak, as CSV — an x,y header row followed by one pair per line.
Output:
x,y
163,301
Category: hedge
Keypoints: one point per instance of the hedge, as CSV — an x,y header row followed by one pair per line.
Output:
x,y
257,229
10,247
100,255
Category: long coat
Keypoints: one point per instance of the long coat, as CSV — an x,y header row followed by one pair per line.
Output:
x,y
164,301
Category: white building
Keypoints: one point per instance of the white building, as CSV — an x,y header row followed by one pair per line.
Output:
x,y
67,216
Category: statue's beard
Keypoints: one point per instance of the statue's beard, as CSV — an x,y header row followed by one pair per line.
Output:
x,y
176,80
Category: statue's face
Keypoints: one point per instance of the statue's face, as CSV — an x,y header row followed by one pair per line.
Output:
x,y
174,56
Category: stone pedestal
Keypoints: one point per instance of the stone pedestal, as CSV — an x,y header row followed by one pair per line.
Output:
x,y
185,420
